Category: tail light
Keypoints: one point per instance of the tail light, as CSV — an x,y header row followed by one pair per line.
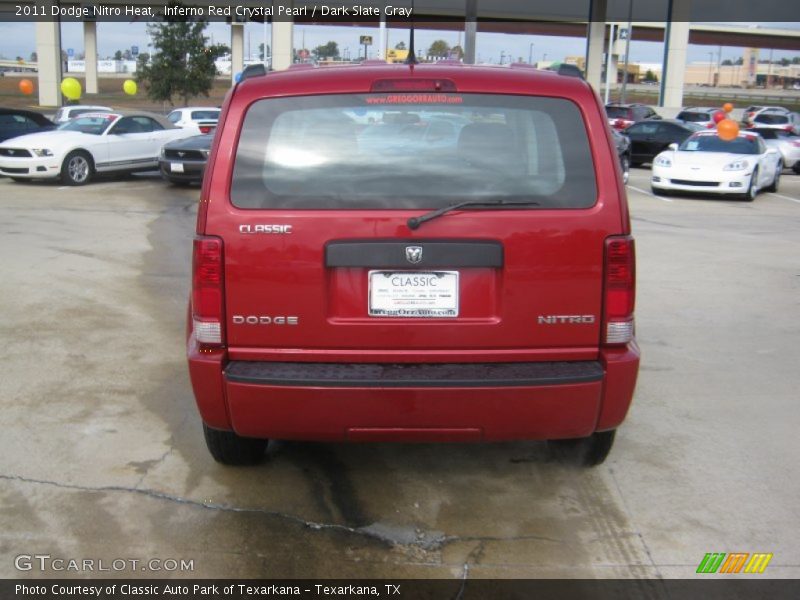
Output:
x,y
619,124
205,128
208,290
788,129
710,125
619,290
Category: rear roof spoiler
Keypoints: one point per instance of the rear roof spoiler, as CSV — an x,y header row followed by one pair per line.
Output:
x,y
250,71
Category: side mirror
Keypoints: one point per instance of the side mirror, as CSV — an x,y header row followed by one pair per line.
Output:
x,y
673,146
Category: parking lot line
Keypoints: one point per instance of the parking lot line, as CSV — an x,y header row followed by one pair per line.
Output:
x,y
633,187
785,197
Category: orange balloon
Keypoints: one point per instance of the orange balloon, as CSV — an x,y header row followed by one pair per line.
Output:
x,y
26,87
728,130
727,107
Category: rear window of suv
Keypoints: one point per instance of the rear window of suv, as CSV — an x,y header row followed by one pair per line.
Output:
x,y
412,151
618,112
771,119
693,116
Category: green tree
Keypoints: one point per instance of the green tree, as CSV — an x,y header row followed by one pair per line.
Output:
x,y
329,50
118,55
400,46
439,49
182,62
727,62
650,76
458,52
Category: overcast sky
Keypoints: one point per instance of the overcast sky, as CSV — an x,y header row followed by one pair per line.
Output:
x,y
18,39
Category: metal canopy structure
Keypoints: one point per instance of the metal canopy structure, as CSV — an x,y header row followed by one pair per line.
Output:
x,y
653,20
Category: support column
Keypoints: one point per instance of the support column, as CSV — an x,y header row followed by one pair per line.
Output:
x,y
282,44
676,44
48,53
237,50
382,38
470,31
595,42
90,55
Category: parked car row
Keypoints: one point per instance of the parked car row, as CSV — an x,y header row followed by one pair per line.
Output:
x,y
651,135
86,141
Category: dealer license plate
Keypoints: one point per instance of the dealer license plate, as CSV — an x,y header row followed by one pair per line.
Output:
x,y
176,167
413,294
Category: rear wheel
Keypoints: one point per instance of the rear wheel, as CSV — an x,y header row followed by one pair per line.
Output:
x,y
230,449
587,452
773,187
77,168
625,164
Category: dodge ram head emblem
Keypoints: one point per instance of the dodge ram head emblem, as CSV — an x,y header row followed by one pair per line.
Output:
x,y
414,254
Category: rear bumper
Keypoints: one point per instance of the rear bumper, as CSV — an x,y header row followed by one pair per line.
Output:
x,y
418,402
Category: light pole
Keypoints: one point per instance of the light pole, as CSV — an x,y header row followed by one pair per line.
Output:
x,y
530,54
710,62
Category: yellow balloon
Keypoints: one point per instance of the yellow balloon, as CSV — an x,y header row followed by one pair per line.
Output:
x,y
130,87
71,88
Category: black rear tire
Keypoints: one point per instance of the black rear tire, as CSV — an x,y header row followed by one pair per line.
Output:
x,y
625,165
230,449
586,452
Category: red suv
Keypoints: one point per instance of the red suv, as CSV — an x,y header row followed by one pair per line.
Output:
x,y
412,253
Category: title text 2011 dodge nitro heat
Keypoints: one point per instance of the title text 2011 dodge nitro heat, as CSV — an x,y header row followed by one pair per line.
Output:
x,y
412,253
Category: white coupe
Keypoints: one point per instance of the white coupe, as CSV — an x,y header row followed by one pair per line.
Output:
x,y
89,144
707,164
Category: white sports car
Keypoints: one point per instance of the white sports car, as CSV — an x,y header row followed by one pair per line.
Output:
x,y
707,164
89,144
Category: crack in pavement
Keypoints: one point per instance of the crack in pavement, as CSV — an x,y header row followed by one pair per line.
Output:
x,y
376,531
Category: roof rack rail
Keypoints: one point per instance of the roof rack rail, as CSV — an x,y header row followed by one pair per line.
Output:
x,y
567,70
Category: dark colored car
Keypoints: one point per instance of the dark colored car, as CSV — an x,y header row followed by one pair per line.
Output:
x,y
622,116
184,161
15,122
473,286
650,138
623,144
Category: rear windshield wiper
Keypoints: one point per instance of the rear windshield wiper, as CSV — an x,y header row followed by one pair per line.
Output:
x,y
415,222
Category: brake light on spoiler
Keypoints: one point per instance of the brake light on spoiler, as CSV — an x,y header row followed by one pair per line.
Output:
x,y
413,85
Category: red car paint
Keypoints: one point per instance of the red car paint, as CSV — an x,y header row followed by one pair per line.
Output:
x,y
555,262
